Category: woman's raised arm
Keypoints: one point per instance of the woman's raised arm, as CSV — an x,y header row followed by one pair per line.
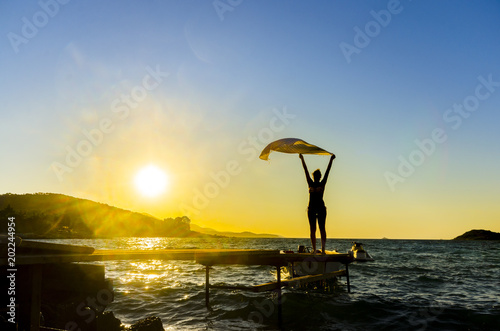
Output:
x,y
308,177
328,168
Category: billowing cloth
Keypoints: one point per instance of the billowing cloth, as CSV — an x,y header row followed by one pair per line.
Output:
x,y
292,145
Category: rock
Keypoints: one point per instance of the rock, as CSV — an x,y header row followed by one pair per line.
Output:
x,y
152,323
479,235
108,322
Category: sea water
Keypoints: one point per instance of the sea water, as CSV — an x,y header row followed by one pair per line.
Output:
x,y
411,285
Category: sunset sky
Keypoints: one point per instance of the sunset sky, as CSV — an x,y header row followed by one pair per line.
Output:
x,y
405,93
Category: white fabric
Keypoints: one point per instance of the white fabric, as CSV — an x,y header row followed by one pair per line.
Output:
x,y
292,146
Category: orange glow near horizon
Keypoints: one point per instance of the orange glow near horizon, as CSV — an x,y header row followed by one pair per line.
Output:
x,y
271,197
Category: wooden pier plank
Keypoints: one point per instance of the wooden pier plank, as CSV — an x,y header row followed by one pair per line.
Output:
x,y
273,258
297,281
313,278
34,252
164,254
286,282
202,256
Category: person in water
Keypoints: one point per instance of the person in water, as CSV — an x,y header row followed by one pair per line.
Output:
x,y
317,209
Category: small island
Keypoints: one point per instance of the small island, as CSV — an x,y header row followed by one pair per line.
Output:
x,y
479,235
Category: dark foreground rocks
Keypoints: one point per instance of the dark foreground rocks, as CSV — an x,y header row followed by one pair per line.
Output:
x,y
152,323
108,322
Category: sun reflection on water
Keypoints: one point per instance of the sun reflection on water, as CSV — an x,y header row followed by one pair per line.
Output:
x,y
151,272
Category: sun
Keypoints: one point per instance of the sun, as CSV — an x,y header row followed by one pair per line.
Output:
x,y
151,181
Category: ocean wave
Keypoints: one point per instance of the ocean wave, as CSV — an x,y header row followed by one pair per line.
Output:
x,y
411,285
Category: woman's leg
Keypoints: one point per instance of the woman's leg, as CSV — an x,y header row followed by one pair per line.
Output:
x,y
311,215
322,227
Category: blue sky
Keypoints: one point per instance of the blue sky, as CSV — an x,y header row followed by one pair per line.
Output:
x,y
223,81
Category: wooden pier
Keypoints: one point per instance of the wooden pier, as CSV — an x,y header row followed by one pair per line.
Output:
x,y
38,260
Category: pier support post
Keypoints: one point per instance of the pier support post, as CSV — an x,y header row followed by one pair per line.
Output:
x,y
278,281
36,297
207,286
30,294
347,277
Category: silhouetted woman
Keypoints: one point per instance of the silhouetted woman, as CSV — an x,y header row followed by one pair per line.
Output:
x,y
317,209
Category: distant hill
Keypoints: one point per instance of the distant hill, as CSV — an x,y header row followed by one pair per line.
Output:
x,y
479,235
244,234
50,215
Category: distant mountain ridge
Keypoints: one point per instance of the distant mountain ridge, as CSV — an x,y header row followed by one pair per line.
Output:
x,y
244,234
479,235
52,215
